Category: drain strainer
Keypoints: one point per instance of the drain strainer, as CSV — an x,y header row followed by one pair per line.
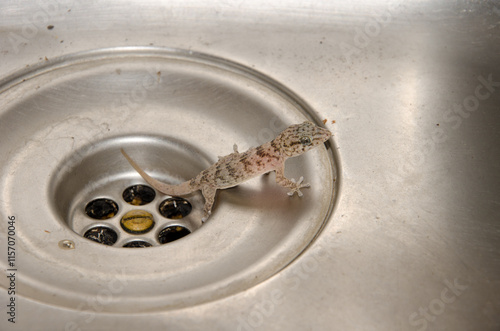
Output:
x,y
81,209
119,209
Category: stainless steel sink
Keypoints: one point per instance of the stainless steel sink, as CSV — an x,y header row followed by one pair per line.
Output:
x,y
399,230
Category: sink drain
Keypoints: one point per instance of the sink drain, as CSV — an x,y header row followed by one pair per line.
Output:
x,y
116,208
81,207
135,225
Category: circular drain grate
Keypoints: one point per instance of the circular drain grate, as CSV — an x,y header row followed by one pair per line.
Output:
x,y
174,112
136,222
120,210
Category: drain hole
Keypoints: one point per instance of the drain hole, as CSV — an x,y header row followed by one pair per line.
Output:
x,y
139,195
175,208
172,233
102,235
101,209
137,244
137,222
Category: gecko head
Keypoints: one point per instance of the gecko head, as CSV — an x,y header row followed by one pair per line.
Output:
x,y
299,138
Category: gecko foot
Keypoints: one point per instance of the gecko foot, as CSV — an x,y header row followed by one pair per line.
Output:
x,y
298,185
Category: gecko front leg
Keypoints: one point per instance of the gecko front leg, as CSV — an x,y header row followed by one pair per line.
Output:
x,y
235,150
292,184
208,192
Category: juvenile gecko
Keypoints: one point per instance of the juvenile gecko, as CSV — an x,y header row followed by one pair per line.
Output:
x,y
237,168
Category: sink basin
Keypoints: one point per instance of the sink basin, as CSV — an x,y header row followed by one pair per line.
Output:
x,y
398,231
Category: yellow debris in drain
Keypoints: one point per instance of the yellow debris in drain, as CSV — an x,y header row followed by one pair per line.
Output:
x,y
137,221
137,201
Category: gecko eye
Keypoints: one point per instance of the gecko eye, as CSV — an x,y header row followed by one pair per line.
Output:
x,y
305,141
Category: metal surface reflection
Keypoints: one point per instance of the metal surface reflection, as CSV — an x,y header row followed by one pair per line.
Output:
x,y
413,89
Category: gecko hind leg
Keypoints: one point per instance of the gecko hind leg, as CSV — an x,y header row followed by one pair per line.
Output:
x,y
208,193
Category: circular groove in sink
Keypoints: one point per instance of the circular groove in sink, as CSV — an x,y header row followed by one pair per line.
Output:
x,y
174,112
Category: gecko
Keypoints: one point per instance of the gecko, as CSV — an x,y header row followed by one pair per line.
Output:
x,y
236,168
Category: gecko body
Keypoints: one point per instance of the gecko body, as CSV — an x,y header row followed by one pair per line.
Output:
x,y
236,168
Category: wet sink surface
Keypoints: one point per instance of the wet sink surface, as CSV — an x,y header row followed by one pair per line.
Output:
x,y
411,92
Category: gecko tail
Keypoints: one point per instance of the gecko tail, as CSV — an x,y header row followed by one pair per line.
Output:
x,y
164,188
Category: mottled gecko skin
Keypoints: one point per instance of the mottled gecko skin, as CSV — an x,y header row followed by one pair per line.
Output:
x,y
236,168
